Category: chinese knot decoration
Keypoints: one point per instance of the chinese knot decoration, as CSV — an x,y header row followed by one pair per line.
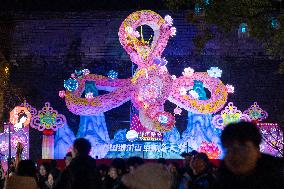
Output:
x,y
230,114
48,120
256,113
151,84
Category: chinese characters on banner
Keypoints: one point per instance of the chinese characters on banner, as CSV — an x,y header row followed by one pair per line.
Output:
x,y
160,147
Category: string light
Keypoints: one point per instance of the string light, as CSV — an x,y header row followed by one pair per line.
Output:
x,y
6,70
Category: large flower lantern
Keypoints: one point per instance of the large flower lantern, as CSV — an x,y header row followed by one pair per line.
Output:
x,y
212,151
48,120
151,84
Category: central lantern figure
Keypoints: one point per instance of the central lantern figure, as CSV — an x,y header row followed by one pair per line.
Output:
x,y
151,84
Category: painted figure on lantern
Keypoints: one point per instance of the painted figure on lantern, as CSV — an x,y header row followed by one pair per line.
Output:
x,y
22,117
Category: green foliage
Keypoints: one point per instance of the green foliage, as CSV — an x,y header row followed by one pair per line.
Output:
x,y
227,15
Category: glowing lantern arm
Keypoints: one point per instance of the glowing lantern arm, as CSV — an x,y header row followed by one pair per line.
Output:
x,y
99,104
214,85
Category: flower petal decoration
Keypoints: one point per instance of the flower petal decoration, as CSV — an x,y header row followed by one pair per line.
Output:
x,y
188,72
194,94
214,72
230,88
177,110
169,20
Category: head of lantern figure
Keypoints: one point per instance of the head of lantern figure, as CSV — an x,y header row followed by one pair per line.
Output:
x,y
22,117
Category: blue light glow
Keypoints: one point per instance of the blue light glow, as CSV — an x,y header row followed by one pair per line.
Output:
x,y
197,9
71,84
112,74
243,27
274,23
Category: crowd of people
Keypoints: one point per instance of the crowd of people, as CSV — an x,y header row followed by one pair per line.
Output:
x,y
243,167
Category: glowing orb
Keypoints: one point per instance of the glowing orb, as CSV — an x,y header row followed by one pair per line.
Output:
x,y
131,135
188,72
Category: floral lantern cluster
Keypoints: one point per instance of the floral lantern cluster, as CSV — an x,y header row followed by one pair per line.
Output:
x,y
212,151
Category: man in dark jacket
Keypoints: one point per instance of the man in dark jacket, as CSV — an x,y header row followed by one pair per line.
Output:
x,y
82,169
244,166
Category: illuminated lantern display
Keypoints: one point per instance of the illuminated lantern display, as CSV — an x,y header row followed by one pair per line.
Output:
x,y
151,85
144,134
160,61
188,72
169,20
85,71
89,95
20,118
48,120
19,136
